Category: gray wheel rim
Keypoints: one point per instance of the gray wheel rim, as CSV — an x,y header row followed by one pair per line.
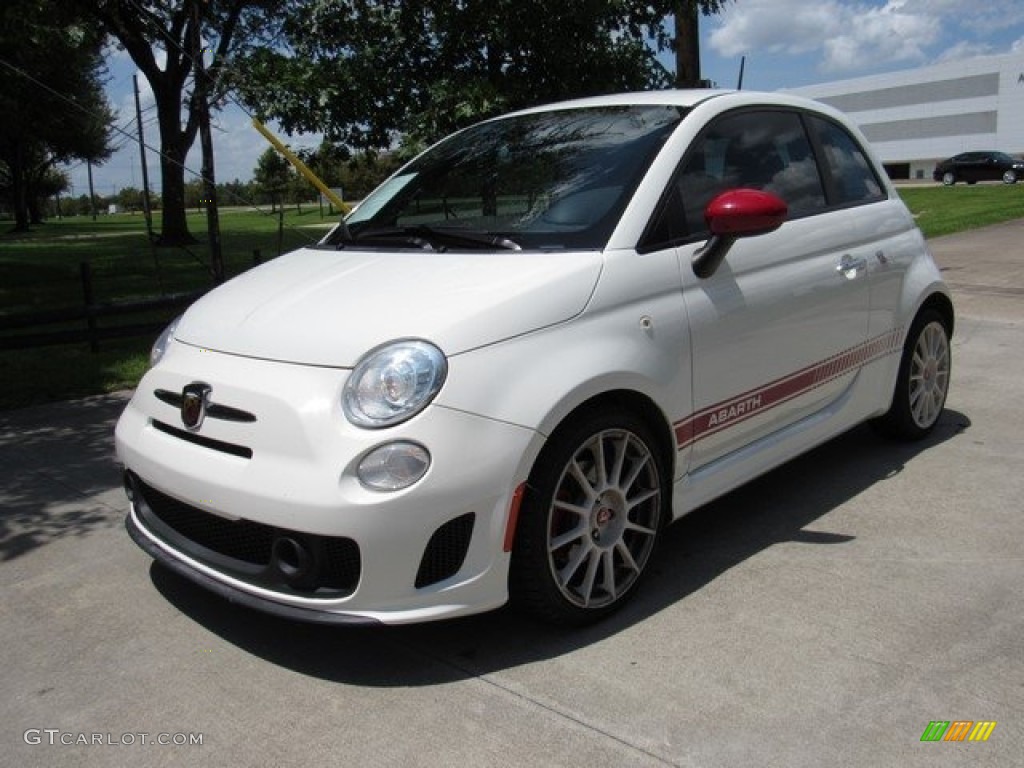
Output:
x,y
929,375
603,519
1009,177
948,178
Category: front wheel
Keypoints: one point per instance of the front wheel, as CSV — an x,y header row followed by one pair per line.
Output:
x,y
1010,177
597,500
923,380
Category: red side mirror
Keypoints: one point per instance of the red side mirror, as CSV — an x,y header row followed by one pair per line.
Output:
x,y
744,213
733,214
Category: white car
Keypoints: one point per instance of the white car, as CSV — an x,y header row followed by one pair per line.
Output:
x,y
527,352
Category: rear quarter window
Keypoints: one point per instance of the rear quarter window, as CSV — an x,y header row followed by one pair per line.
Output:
x,y
852,179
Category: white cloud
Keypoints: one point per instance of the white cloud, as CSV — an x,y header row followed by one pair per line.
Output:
x,y
854,36
965,50
983,17
777,26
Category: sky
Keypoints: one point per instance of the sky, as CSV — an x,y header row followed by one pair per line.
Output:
x,y
787,43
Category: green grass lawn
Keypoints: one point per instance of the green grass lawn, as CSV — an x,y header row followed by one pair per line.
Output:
x,y
40,270
945,210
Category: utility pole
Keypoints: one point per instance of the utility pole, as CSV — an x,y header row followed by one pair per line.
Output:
x,y
142,155
206,143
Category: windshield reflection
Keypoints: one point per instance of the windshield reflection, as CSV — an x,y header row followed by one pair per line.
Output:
x,y
547,180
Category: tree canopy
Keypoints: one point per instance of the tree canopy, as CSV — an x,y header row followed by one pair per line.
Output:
x,y
51,93
365,71
272,174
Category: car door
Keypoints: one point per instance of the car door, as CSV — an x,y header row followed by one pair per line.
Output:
x,y
777,328
974,167
990,168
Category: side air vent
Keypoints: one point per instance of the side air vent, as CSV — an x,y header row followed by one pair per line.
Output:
x,y
446,551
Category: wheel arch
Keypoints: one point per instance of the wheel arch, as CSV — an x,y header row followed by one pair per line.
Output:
x,y
636,403
942,304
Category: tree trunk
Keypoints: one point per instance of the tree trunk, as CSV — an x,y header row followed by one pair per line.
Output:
x,y
173,149
687,45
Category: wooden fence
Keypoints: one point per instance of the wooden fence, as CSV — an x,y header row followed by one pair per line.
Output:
x,y
26,330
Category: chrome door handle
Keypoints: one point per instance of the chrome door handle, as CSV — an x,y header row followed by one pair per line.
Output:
x,y
849,267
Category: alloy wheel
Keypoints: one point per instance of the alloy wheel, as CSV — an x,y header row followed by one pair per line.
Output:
x,y
929,375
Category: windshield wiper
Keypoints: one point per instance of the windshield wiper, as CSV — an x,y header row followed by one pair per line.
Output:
x,y
441,237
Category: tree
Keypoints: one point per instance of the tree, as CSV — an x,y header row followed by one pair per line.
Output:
x,y
129,199
49,185
365,72
162,36
273,173
51,93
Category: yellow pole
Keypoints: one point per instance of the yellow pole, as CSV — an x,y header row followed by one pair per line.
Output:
x,y
300,166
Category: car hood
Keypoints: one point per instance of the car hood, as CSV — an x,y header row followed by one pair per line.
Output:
x,y
327,307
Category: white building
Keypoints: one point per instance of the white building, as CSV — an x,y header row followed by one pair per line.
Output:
x,y
917,117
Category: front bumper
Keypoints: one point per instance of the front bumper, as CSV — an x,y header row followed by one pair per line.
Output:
x,y
285,483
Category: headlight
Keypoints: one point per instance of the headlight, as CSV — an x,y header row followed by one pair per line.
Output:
x,y
162,342
393,383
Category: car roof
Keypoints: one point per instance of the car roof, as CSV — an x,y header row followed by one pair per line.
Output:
x,y
679,97
689,99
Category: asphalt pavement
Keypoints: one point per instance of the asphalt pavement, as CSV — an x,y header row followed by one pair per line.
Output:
x,y
822,616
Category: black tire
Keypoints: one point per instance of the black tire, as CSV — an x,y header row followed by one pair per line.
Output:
x,y
923,380
596,502
949,178
1010,177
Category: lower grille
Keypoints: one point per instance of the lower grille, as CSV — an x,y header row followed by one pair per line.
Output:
x,y
286,561
446,551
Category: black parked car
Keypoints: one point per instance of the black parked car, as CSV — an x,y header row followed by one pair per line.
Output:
x,y
979,166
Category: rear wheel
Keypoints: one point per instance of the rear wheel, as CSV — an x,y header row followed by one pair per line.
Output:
x,y
598,496
923,380
949,178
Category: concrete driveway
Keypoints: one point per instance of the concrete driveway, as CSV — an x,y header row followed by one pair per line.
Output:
x,y
822,616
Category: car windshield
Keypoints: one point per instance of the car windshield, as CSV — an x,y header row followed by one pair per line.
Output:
x,y
547,180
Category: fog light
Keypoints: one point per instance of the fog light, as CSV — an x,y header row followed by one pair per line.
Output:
x,y
393,466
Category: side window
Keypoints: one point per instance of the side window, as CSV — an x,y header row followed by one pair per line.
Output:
x,y
762,149
853,179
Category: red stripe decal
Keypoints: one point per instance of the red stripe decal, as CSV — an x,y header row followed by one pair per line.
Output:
x,y
720,416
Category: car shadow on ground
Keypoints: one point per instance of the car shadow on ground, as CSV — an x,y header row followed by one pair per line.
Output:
x,y
775,508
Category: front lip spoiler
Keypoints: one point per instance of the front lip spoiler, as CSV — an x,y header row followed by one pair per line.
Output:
x,y
237,596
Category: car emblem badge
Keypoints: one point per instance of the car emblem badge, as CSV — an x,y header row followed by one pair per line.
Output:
x,y
193,404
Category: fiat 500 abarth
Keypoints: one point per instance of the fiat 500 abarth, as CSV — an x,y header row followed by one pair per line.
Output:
x,y
527,352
